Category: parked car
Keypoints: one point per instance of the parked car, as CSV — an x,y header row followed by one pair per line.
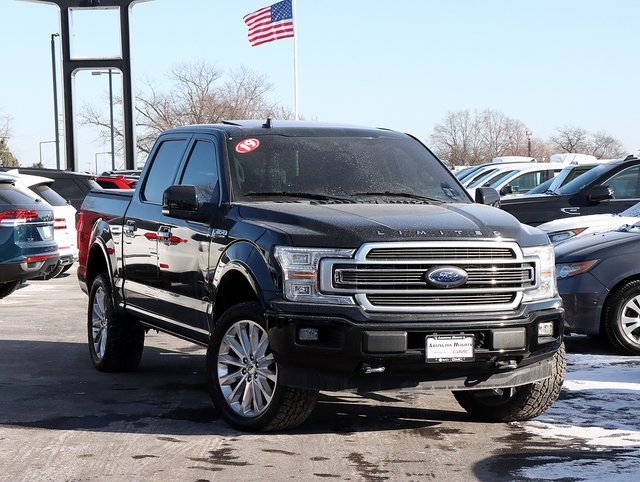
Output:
x,y
517,180
27,245
312,256
117,181
567,228
490,170
608,188
72,186
599,281
566,175
64,231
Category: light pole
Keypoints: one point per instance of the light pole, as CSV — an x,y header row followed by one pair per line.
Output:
x,y
55,99
44,142
96,158
529,134
113,150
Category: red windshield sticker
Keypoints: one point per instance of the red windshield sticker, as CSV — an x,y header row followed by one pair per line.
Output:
x,y
247,145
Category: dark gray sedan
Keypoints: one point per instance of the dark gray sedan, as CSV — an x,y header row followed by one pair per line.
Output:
x,y
599,281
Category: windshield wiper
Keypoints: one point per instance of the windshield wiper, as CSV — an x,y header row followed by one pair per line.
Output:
x,y
409,195
305,195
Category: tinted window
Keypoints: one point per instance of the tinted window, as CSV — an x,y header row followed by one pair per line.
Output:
x,y
11,195
202,172
49,195
163,169
583,180
625,183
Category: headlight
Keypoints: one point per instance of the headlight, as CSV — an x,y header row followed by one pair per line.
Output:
x,y
300,273
545,262
566,270
564,235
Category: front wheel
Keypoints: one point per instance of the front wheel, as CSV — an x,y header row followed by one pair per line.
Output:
x,y
116,341
516,403
242,375
621,318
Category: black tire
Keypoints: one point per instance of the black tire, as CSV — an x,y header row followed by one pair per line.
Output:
x,y
517,403
7,288
116,341
260,404
621,318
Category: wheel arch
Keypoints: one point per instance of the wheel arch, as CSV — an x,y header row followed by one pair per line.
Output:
x,y
102,253
619,284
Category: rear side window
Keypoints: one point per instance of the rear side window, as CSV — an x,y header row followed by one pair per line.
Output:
x,y
11,195
49,195
163,169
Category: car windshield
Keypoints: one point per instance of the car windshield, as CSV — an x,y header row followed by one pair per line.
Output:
x,y
339,168
583,180
633,211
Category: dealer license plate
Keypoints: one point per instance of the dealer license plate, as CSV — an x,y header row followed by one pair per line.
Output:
x,y
46,232
449,348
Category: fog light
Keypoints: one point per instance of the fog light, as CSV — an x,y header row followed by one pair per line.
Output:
x,y
545,328
308,334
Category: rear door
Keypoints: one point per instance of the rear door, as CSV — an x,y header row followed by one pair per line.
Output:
x,y
141,227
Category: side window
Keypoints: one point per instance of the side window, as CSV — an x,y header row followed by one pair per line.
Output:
x,y
163,169
625,183
202,172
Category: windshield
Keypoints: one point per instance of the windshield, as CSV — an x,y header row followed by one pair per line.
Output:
x,y
583,180
633,211
338,167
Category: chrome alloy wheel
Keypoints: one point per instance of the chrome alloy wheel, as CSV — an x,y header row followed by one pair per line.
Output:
x,y
99,323
630,320
247,372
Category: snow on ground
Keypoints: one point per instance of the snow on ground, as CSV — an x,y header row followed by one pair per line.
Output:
x,y
599,413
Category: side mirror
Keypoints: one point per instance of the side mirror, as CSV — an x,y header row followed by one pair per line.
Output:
x,y
488,196
600,193
181,201
506,190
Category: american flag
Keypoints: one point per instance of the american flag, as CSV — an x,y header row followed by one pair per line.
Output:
x,y
270,23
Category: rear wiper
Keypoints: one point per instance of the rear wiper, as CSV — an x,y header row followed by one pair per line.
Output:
x,y
409,195
305,195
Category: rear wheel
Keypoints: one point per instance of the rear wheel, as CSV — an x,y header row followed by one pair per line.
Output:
x,y
516,403
621,318
116,341
242,375
7,288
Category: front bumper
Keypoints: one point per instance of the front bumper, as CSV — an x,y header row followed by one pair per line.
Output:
x,y
583,297
357,351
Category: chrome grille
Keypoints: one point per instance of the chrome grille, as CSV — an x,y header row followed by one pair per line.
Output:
x,y
392,277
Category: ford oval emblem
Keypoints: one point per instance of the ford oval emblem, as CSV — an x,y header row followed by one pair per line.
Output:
x,y
446,276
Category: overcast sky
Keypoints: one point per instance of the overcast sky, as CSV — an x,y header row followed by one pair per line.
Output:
x,y
401,64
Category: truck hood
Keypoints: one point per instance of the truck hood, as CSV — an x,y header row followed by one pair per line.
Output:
x,y
349,225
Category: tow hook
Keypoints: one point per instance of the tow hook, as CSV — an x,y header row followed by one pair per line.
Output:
x,y
368,369
506,364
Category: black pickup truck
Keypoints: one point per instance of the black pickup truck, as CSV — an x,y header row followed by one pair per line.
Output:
x,y
311,257
608,188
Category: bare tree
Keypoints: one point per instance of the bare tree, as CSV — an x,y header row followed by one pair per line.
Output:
x,y
570,139
465,138
7,159
604,146
200,94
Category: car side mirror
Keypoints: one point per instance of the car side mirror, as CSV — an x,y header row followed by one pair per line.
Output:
x,y
488,196
600,193
181,201
506,190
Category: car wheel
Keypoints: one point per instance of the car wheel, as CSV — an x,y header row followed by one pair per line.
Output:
x,y
516,403
116,341
621,318
242,375
7,288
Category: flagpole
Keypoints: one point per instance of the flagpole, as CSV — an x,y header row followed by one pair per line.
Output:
x,y
295,60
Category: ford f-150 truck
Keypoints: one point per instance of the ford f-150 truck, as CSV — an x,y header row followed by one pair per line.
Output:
x,y
309,257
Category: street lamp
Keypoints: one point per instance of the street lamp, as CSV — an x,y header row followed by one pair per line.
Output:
x,y
110,73
529,134
55,99
96,158
44,142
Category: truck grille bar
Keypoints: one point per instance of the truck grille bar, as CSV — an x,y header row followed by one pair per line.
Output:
x,y
393,277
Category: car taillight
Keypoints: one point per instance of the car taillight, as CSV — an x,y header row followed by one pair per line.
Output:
x,y
59,223
18,216
79,216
